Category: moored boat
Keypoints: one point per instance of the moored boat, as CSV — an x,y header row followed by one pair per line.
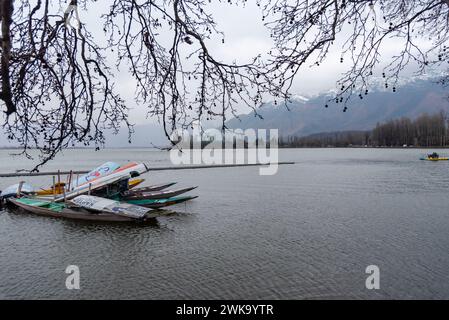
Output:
x,y
102,194
157,187
161,203
59,187
117,177
133,195
134,183
18,189
67,211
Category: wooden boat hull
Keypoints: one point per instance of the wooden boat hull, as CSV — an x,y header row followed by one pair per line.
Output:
x,y
60,188
135,182
75,213
158,187
161,203
12,191
133,195
118,176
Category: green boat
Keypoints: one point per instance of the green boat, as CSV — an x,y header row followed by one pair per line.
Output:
x,y
63,210
71,210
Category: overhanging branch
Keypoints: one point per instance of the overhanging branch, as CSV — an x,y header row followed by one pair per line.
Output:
x,y
6,11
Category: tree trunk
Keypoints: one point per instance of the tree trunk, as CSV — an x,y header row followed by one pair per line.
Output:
x,y
6,11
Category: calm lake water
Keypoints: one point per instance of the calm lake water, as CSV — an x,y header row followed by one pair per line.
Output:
x,y
308,232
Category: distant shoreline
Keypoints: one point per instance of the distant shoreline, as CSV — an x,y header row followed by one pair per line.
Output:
x,y
280,147
363,147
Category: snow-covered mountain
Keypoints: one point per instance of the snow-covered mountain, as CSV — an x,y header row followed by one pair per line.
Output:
x,y
306,116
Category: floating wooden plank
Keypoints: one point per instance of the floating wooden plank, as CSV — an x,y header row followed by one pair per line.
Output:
x,y
38,174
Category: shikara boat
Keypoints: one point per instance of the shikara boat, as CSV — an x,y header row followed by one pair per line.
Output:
x,y
136,195
59,187
17,190
161,203
134,183
117,177
107,193
155,199
157,187
72,211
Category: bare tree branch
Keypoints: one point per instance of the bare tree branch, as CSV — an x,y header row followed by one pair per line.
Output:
x,y
58,83
6,11
304,32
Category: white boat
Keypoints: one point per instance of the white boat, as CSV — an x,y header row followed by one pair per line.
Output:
x,y
103,170
123,173
12,191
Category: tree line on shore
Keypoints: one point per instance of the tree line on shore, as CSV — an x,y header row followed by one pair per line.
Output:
x,y
424,131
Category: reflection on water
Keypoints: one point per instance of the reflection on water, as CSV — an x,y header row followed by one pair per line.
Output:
x,y
306,233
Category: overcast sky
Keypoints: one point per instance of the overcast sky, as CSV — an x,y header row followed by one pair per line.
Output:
x,y
246,37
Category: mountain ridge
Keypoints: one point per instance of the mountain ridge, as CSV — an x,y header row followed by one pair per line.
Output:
x,y
308,116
